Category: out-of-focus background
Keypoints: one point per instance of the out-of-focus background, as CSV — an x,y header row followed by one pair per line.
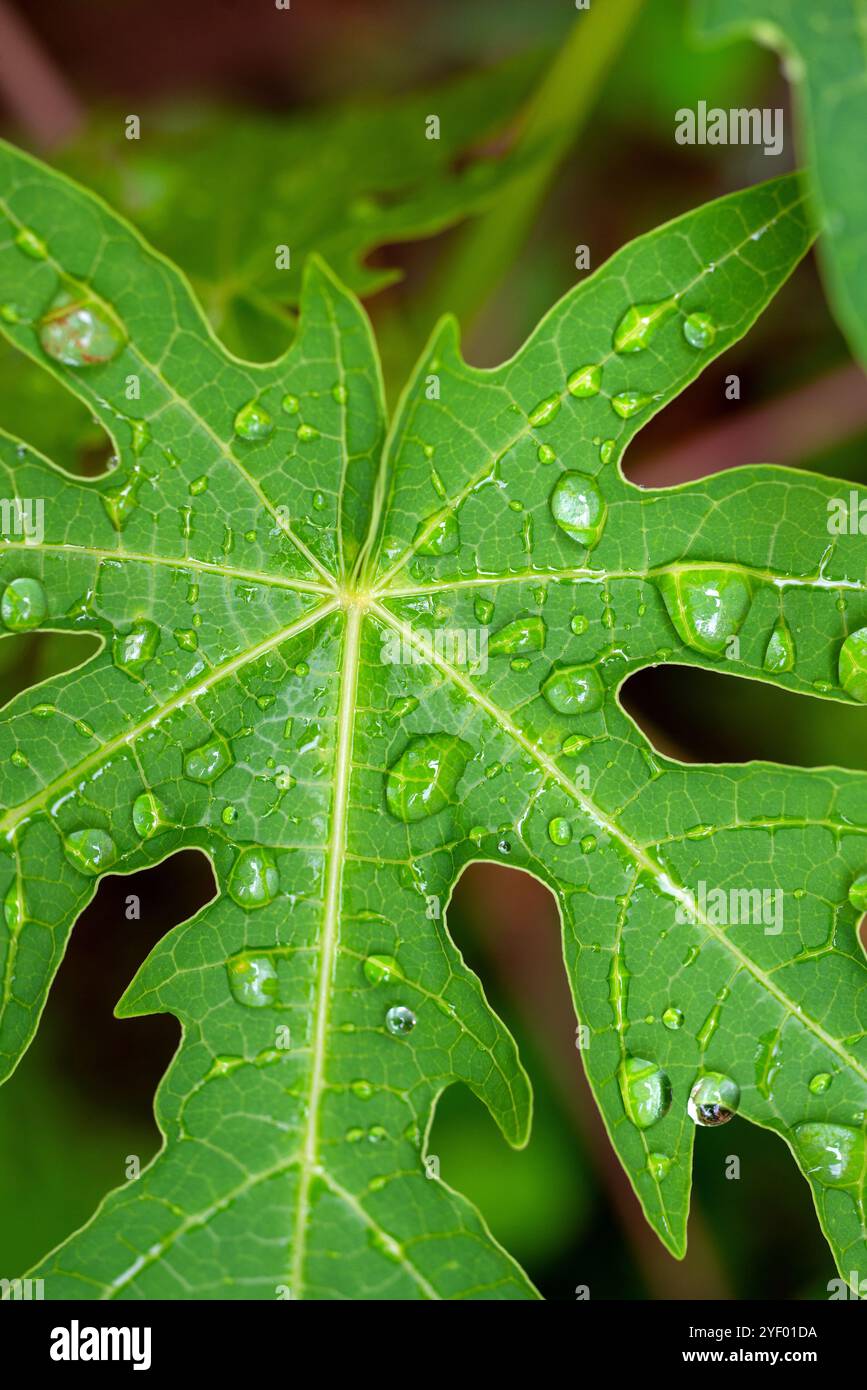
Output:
x,y
244,134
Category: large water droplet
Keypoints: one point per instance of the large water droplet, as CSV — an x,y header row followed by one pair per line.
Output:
x,y
23,605
253,422
699,330
574,689
254,880
148,815
639,324
91,850
521,635
559,830
253,981
713,1099
646,1091
629,403
836,1155
399,1020
780,651
852,665
424,778
578,507
706,604
208,762
584,382
79,332
134,649
439,535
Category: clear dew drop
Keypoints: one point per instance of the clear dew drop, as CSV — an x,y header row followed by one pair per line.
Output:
x,y
207,762
545,411
23,605
79,332
645,1089
579,624
852,665
780,651
306,433
673,1018
545,454
379,970
400,1020
607,450
148,815
585,381
578,507
253,980
484,611
290,404
713,1100
253,422
707,605
90,850
658,1166
640,323
573,690
629,403
14,912
858,892
699,330
439,535
836,1155
423,780
132,650
521,635
254,881
362,1090
819,1083
31,244
559,830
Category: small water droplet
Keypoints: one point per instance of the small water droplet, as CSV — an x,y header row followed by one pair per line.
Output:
x,y
707,605
629,403
578,507
780,651
291,404
584,382
658,1166
579,624
559,830
836,1155
306,433
253,980
607,450
253,422
484,611
646,1091
852,665
91,850
713,1100
148,815
858,892
545,454
362,1090
254,880
379,970
545,411
819,1083
424,778
31,244
79,332
574,689
439,535
587,844
699,330
640,323
24,604
399,1020
520,635
209,761
13,908
673,1018
134,649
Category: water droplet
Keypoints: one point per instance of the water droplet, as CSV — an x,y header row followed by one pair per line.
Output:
x,y
673,1019
424,778
186,638
148,815
578,507
504,847
291,404
713,1099
573,744
253,422
574,689
352,1136
254,880
587,844
858,892
707,605
780,651
379,970
253,981
306,433
545,454
658,1166
91,850
339,393
699,330
559,830
439,535
13,908
819,1083
834,1154
31,244
23,605
484,611
579,624
134,649
646,1091
399,1021
585,382
521,635
629,403
607,450
852,665
639,324
206,763
79,332
545,411
361,1089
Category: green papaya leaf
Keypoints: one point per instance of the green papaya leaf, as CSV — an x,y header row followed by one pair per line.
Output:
x,y
823,46
344,663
